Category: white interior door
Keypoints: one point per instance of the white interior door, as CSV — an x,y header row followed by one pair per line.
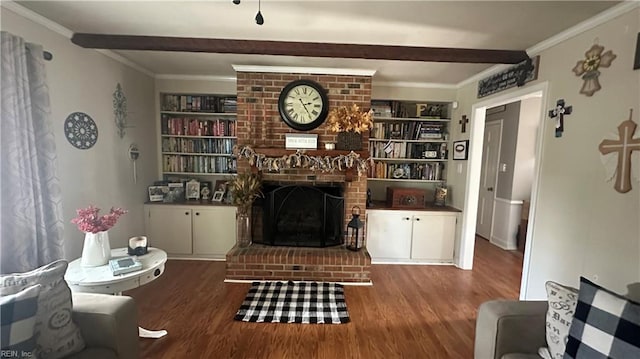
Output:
x,y
488,177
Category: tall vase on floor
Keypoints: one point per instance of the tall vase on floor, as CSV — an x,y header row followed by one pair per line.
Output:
x,y
243,221
96,250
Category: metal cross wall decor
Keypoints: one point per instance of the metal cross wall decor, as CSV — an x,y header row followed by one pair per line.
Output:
x,y
588,68
120,110
558,113
463,122
624,147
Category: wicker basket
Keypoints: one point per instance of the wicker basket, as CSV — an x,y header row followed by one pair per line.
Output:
x,y
349,141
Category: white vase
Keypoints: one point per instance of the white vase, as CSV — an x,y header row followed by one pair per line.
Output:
x,y
96,250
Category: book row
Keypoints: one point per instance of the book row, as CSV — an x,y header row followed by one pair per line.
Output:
x,y
432,171
198,145
437,151
382,108
198,164
408,130
183,126
198,103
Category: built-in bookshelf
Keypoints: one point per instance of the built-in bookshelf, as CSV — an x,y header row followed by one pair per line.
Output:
x,y
198,133
409,141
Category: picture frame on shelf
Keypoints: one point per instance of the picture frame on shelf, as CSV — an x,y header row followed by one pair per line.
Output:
x,y
192,190
461,150
157,193
636,61
221,186
205,190
176,192
217,196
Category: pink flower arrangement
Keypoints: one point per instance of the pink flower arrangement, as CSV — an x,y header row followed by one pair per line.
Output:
x,y
88,219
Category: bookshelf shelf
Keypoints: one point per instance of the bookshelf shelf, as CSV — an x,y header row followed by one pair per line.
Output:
x,y
405,180
398,140
198,133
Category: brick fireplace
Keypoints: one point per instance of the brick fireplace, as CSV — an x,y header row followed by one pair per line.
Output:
x,y
260,126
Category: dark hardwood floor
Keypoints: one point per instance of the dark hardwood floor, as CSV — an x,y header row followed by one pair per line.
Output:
x,y
409,312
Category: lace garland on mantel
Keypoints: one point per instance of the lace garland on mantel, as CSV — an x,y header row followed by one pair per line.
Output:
x,y
301,160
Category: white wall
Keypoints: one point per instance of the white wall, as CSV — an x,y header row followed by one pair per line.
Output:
x,y
582,226
84,80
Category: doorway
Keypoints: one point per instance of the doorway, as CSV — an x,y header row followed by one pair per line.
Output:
x,y
473,180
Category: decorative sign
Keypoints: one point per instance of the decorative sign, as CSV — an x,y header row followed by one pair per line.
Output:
x,y
120,110
294,141
588,68
558,113
517,75
80,130
623,147
636,61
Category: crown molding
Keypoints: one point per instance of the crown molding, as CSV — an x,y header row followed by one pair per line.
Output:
x,y
583,26
195,77
304,70
61,30
37,18
567,34
427,85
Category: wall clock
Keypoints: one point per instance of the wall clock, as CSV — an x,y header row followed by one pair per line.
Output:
x,y
80,130
303,105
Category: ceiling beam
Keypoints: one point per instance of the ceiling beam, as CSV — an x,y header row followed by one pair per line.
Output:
x,y
308,49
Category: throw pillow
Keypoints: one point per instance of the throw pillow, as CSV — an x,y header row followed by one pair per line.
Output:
x,y
562,304
18,317
605,325
57,335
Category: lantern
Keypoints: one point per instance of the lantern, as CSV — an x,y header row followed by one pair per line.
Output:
x,y
355,230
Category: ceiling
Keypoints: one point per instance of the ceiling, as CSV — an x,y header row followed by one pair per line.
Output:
x,y
509,25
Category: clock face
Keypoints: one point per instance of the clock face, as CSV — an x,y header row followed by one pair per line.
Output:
x,y
303,105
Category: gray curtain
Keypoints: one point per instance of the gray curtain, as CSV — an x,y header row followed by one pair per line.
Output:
x,y
31,202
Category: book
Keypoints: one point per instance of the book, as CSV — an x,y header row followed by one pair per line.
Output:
x,y
124,265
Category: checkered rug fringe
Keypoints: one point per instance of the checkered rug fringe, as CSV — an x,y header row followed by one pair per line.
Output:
x,y
294,302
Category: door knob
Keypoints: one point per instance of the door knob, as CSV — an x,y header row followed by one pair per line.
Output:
x,y
490,189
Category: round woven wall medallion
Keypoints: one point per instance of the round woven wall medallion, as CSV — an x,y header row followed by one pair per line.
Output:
x,y
80,130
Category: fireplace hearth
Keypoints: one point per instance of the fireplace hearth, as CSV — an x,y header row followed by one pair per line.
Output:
x,y
301,216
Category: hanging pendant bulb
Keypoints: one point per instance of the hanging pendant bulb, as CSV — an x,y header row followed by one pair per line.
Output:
x,y
259,18
237,2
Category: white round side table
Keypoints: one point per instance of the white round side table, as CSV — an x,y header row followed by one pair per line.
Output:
x,y
101,279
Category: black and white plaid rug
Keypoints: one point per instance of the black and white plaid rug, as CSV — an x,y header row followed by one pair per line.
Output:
x,y
294,302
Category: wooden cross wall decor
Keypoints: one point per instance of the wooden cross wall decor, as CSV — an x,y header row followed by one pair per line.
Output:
x,y
463,122
558,113
623,147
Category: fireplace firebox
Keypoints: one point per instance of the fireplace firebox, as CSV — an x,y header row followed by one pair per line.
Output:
x,y
301,216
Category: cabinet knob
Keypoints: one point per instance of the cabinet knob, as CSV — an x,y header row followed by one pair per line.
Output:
x,y
197,213
417,219
186,213
406,218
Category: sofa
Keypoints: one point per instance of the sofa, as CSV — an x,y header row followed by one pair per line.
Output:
x,y
510,329
109,326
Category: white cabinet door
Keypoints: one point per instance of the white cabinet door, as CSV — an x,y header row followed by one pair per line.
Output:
x,y
214,230
169,228
389,235
433,236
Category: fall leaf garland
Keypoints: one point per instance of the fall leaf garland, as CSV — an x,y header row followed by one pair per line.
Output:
x,y
349,119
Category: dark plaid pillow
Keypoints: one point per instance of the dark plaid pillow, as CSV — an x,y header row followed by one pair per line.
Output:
x,y
605,325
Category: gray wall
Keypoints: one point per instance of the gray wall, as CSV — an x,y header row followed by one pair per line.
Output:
x,y
510,118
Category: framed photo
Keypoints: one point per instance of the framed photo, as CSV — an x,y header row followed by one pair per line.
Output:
x,y
460,150
176,192
221,186
217,196
157,193
205,190
192,190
